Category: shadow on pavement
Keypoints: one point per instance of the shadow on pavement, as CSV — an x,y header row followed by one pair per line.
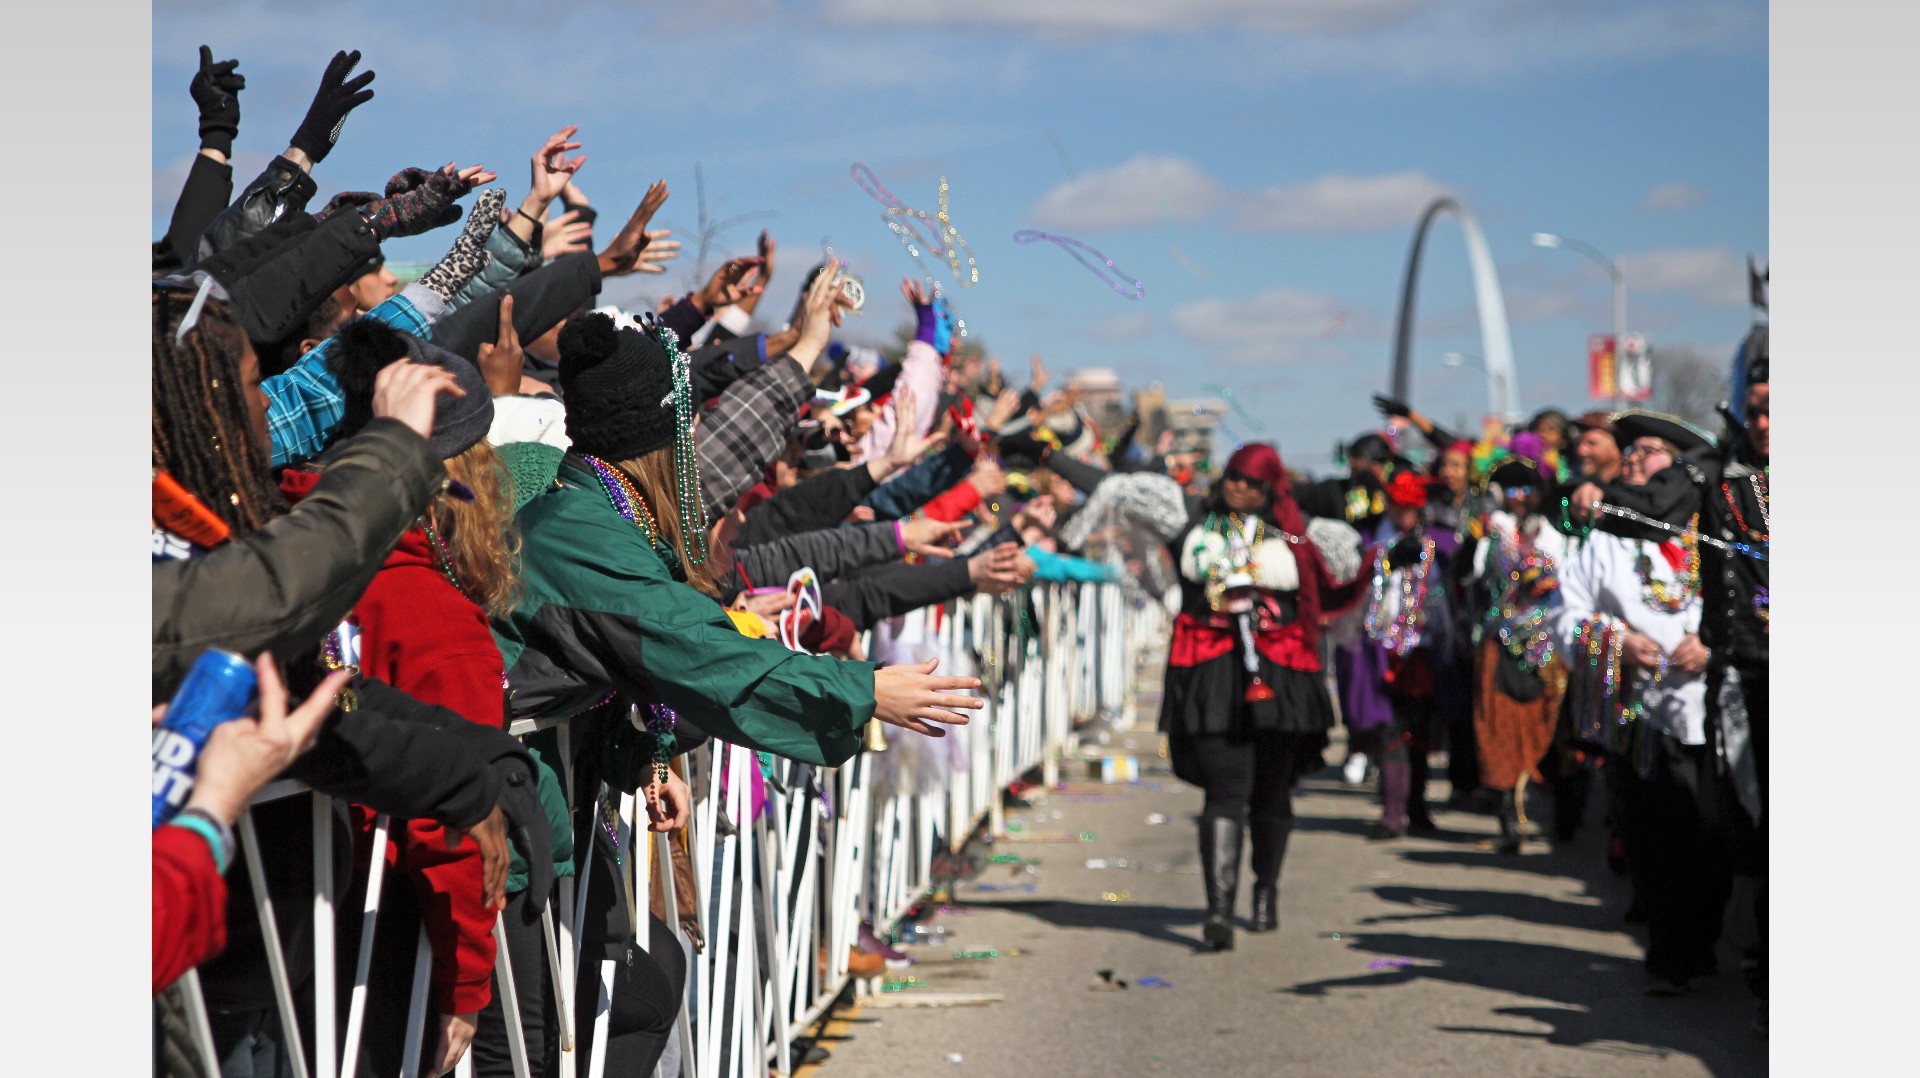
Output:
x,y
1151,921
1437,903
1603,1007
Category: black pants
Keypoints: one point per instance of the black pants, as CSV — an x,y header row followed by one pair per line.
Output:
x,y
1679,866
1249,779
648,986
533,984
1245,777
1745,837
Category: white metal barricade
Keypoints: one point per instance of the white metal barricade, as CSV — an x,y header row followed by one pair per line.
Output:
x,y
781,892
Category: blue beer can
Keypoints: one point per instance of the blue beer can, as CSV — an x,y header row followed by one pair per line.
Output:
x,y
220,686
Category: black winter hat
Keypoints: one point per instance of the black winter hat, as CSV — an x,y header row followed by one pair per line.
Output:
x,y
618,385
364,347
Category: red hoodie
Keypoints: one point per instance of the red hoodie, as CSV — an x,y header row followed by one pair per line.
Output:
x,y
189,905
421,635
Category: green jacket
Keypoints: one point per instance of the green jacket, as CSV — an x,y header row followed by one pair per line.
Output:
x,y
600,613
553,801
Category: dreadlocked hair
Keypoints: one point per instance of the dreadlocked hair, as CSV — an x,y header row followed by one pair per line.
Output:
x,y
202,434
653,475
482,544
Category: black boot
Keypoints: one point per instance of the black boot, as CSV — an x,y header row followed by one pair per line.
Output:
x,y
1510,837
1220,868
1269,850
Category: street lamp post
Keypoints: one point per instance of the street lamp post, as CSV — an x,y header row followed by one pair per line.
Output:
x,y
1549,239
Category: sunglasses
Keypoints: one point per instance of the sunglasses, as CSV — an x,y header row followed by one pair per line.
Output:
x,y
1242,477
1638,450
1517,491
202,285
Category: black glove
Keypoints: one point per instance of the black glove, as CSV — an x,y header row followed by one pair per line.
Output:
x,y
336,97
1390,407
214,88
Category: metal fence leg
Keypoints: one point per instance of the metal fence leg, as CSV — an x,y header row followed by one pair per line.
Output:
x,y
276,961
324,1053
417,1006
369,920
509,1002
196,1005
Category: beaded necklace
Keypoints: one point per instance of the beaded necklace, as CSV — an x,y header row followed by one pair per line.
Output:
x,y
1403,631
1760,498
1608,707
1690,533
1519,613
660,722
686,455
440,555
626,500
1659,595
1238,558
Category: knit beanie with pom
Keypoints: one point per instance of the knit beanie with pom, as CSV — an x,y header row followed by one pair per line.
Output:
x,y
618,385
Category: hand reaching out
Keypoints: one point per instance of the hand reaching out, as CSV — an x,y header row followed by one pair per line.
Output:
x,y
929,538
910,697
995,571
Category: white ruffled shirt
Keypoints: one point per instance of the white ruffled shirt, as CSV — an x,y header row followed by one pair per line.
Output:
x,y
1598,577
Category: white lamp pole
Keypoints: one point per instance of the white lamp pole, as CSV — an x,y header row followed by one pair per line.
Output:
x,y
1549,239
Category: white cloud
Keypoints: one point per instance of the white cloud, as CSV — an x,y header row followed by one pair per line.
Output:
x,y
1338,203
1084,18
1715,275
1279,325
1673,196
1126,327
1140,191
1147,188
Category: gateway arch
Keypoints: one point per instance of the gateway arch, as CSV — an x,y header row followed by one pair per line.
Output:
x,y
1503,391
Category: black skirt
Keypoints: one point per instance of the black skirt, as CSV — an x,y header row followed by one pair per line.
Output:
x,y
1211,699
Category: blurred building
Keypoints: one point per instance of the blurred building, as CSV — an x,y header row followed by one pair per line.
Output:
x,y
1195,423
1101,396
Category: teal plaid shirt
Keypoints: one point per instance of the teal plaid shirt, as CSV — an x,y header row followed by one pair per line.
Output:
x,y
305,403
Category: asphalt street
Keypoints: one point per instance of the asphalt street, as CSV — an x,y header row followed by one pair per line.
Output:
x,y
1430,956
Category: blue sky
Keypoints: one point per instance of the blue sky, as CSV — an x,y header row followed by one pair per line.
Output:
x,y
1259,164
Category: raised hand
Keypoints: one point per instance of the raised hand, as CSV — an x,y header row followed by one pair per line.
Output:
x,y
469,254
565,234
735,280
815,323
500,361
622,255
1391,408
338,95
215,88
552,169
910,697
915,292
420,201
